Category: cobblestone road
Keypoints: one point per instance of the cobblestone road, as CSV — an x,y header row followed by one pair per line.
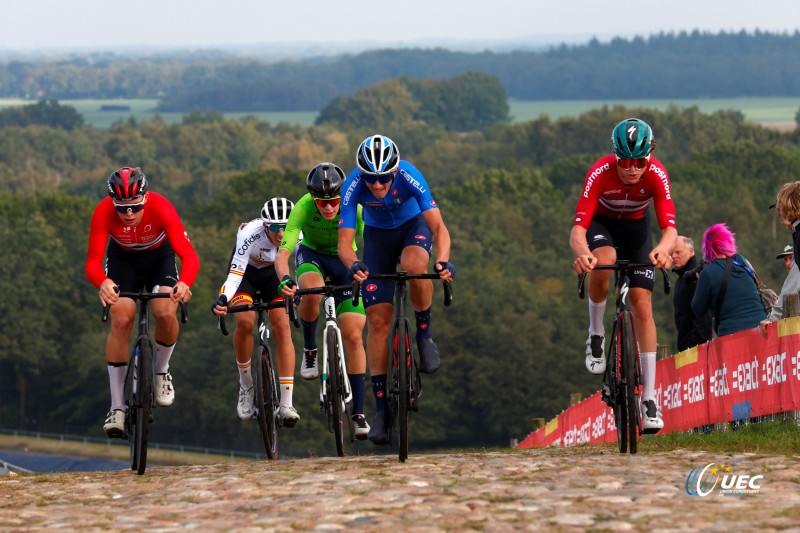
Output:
x,y
537,490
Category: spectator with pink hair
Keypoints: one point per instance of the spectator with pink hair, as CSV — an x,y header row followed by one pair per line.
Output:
x,y
736,305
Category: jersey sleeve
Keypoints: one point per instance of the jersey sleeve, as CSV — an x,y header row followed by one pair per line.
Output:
x,y
98,241
238,262
294,225
662,197
179,240
350,200
418,186
587,203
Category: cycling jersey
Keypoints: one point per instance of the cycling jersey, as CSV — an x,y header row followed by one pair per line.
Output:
x,y
253,248
408,196
160,222
317,233
604,193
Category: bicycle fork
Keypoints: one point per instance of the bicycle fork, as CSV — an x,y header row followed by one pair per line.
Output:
x,y
330,322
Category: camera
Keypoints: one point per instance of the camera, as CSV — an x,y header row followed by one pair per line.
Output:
x,y
690,276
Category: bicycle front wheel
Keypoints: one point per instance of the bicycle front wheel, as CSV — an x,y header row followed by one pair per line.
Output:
x,y
629,352
335,389
266,394
404,389
142,402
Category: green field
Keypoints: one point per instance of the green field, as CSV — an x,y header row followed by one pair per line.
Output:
x,y
774,110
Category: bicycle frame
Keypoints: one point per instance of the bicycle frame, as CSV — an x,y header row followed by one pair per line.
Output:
x,y
329,306
621,382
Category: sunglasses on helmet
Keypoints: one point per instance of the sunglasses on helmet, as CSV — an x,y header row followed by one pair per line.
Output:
x,y
322,202
639,163
133,208
383,179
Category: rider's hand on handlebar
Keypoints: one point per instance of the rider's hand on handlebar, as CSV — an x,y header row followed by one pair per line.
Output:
x,y
109,292
287,286
446,270
660,258
181,293
358,271
584,263
220,307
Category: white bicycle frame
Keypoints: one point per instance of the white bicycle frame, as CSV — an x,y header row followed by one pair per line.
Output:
x,y
329,304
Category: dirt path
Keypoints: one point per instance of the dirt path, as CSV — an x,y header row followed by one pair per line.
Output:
x,y
565,490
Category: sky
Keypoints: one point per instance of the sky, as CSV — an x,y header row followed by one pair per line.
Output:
x,y
328,25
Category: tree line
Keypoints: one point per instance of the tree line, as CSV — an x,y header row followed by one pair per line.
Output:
x,y
665,65
512,343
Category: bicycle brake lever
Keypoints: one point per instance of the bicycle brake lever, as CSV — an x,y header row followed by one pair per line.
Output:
x,y
356,292
288,303
221,325
581,280
667,283
448,293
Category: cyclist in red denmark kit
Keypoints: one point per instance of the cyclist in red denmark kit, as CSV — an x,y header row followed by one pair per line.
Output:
x,y
612,221
143,233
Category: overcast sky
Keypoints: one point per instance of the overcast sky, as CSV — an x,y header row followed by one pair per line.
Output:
x,y
57,24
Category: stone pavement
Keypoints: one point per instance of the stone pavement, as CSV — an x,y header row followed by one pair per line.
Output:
x,y
576,489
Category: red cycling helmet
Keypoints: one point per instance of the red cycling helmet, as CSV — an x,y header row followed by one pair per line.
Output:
x,y
126,184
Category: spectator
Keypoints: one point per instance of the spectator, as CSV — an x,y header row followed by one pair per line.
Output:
x,y
791,285
786,255
692,329
740,307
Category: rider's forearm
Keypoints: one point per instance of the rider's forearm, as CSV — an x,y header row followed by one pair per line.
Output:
x,y
577,241
669,238
282,264
345,247
442,241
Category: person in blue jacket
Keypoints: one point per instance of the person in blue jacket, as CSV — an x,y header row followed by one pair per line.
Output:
x,y
741,304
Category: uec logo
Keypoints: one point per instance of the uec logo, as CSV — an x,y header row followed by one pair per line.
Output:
x,y
702,481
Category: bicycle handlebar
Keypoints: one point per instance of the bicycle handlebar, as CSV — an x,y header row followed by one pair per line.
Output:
x,y
624,266
327,290
145,297
405,276
286,303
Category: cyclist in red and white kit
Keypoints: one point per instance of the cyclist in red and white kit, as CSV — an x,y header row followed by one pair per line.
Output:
x,y
142,233
611,221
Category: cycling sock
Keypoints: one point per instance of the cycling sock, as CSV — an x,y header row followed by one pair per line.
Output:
x,y
245,374
116,378
648,360
309,334
357,385
597,311
379,390
286,388
423,323
163,353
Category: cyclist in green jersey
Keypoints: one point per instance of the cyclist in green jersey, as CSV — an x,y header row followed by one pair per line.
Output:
x,y
316,217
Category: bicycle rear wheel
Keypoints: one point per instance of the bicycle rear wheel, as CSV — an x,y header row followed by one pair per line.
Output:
x,y
629,378
616,386
404,389
266,394
335,389
141,405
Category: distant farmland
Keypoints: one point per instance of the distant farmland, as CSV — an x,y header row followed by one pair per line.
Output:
x,y
779,112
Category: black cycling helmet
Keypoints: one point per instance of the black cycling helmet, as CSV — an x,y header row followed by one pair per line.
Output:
x,y
325,181
377,155
632,138
126,184
276,211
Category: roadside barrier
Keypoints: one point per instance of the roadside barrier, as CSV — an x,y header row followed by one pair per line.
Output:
x,y
732,378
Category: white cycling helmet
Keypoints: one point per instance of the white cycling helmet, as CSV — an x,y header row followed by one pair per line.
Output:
x,y
276,211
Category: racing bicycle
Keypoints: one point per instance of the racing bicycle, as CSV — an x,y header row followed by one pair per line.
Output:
x,y
138,390
622,379
264,376
335,394
403,384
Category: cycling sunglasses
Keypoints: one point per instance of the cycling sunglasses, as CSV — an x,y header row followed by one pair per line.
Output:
x,y
639,163
382,178
133,208
322,202
275,228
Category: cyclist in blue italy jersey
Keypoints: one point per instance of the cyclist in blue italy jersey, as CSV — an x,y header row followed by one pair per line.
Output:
x,y
401,221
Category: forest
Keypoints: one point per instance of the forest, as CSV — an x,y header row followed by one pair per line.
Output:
x,y
665,65
512,343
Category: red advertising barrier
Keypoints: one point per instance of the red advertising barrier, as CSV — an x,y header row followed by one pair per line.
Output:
x,y
734,377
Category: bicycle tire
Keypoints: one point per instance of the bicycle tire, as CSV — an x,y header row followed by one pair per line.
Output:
x,y
404,390
629,378
620,405
143,402
266,394
335,389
